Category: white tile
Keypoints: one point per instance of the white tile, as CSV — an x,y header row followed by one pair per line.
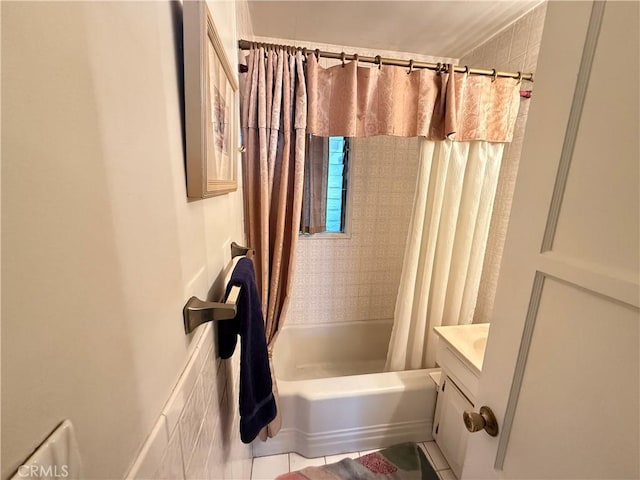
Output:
x,y
205,345
268,468
209,376
520,38
447,475
367,452
215,463
197,467
151,453
516,64
171,466
191,420
341,456
435,456
298,462
175,405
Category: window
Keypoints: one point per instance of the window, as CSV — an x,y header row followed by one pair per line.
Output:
x,y
337,184
325,185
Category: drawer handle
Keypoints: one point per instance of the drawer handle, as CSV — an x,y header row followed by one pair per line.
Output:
x,y
478,421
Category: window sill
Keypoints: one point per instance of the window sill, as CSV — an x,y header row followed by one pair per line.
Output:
x,y
325,236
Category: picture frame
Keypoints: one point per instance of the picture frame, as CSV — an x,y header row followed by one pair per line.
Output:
x,y
211,107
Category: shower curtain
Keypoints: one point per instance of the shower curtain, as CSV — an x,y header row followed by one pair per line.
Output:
x,y
285,100
274,114
445,246
464,121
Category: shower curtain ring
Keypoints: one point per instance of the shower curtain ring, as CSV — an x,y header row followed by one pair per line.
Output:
x,y
410,66
317,52
378,60
439,68
494,75
355,58
466,70
519,78
342,57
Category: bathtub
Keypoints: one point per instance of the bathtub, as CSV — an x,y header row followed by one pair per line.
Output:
x,y
335,397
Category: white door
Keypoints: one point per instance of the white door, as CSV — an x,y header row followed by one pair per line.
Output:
x,y
561,370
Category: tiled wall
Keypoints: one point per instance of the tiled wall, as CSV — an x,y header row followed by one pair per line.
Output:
x,y
357,277
346,279
197,435
513,49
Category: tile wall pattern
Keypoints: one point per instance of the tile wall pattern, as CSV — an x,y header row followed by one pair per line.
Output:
x,y
348,279
197,435
513,49
356,277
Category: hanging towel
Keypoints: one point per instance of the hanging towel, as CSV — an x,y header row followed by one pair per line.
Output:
x,y
257,404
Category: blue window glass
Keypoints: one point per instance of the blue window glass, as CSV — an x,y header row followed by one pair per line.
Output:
x,y
337,183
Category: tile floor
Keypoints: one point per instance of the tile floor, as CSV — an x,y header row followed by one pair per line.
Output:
x,y
267,468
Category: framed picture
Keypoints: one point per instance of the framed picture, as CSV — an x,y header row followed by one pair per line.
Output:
x,y
211,108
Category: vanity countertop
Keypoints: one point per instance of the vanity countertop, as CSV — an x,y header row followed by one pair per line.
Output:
x,y
468,342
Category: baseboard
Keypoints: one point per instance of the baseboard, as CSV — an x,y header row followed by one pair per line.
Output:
x,y
343,441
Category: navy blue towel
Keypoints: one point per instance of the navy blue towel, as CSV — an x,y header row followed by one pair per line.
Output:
x,y
257,404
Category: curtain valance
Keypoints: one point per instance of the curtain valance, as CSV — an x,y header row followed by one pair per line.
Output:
x,y
352,101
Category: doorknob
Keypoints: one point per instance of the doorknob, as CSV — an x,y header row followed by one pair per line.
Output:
x,y
484,420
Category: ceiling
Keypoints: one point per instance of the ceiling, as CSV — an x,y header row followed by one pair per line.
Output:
x,y
437,28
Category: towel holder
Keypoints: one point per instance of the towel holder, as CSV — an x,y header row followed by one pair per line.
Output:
x,y
196,312
238,250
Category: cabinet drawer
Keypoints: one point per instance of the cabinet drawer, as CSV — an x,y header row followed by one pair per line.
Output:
x,y
455,368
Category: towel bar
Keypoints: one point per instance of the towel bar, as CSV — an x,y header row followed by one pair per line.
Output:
x,y
238,250
196,312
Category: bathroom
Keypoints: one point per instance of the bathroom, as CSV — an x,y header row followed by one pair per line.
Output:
x,y
102,247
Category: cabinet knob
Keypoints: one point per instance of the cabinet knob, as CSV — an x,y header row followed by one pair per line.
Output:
x,y
478,421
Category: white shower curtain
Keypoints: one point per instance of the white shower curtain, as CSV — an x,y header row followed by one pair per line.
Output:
x,y
445,246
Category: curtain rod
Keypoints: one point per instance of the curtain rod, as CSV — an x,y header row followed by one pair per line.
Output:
x,y
378,60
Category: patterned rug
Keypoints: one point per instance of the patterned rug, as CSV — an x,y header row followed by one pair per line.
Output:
x,y
399,462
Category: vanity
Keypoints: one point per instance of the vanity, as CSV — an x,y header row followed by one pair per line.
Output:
x,y
460,352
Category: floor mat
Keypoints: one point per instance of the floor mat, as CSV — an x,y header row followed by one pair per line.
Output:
x,y
405,461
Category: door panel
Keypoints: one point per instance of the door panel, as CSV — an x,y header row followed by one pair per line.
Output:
x,y
561,367
581,342
603,177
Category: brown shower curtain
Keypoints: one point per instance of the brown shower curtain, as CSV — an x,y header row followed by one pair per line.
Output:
x,y
344,101
274,120
314,197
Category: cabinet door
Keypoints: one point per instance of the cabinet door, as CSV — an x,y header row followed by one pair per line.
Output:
x,y
451,434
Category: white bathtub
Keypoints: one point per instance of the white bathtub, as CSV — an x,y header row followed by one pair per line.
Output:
x,y
334,397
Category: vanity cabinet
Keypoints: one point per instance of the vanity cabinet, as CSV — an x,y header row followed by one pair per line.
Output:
x,y
459,352
449,430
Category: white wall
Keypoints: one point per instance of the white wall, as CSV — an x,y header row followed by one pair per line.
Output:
x,y
100,246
